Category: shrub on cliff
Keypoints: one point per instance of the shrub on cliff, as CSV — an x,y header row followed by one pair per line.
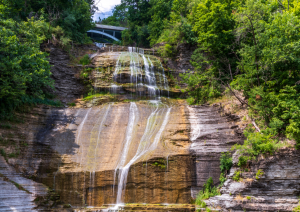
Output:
x,y
209,190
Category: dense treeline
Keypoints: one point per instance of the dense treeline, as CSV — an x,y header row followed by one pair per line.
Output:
x,y
248,46
24,26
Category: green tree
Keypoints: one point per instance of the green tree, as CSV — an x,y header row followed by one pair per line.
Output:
x,y
25,70
160,10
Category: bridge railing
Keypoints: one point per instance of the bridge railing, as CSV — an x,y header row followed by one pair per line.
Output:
x,y
116,48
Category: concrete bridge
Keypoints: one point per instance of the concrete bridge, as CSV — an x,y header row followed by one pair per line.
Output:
x,y
106,33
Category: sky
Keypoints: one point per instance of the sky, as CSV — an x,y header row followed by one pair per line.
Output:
x,y
105,8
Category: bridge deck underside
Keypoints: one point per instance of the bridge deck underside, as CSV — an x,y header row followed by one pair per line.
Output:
x,y
105,35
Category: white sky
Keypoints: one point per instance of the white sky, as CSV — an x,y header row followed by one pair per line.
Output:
x,y
105,7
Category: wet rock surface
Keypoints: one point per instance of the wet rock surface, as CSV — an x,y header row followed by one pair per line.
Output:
x,y
75,151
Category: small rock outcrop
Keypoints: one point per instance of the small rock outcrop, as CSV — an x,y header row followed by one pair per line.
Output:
x,y
271,184
67,86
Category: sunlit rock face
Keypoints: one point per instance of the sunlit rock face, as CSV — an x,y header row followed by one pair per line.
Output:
x,y
153,149
132,72
76,152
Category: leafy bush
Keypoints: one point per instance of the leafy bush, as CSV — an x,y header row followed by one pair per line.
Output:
x,y
85,60
237,176
209,190
256,143
85,73
259,173
222,179
225,162
200,88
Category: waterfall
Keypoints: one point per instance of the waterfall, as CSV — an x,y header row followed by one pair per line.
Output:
x,y
77,141
142,78
195,125
145,145
133,118
99,133
150,78
132,121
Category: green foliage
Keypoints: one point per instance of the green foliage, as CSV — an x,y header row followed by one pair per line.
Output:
x,y
118,18
73,16
213,22
237,176
259,173
2,152
297,208
5,126
248,198
225,162
160,10
200,88
160,163
222,179
209,190
71,104
85,60
25,70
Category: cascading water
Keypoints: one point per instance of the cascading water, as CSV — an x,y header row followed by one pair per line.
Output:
x,y
139,77
143,78
147,144
133,119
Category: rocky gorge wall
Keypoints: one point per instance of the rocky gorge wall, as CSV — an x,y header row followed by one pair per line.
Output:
x,y
276,189
75,151
60,157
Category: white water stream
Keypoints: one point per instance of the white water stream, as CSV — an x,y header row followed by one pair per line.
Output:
x,y
146,145
141,74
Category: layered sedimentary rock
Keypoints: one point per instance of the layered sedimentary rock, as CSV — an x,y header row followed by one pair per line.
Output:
x,y
276,189
154,151
17,193
211,134
76,151
67,86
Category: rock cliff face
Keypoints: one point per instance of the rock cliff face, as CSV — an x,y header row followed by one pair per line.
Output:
x,y
75,152
61,146
67,86
172,148
277,189
211,134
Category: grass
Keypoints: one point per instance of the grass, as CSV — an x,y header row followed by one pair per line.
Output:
x,y
208,191
91,97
